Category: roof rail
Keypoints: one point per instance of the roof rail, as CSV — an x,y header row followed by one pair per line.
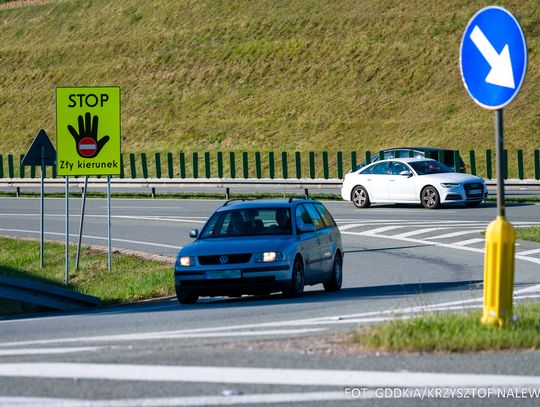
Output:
x,y
232,200
300,197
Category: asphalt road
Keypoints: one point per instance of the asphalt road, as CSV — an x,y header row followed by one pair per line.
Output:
x,y
399,261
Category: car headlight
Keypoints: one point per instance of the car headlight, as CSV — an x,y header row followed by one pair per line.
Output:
x,y
268,257
449,185
186,261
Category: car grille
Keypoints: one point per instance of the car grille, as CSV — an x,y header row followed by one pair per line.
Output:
x,y
477,187
224,259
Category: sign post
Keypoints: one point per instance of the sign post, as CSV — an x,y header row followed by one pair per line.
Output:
x,y
42,153
493,60
88,138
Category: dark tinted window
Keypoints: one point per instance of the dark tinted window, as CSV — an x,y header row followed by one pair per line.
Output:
x,y
325,215
429,167
381,168
397,168
248,222
366,170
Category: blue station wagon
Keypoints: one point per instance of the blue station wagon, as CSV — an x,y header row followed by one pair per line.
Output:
x,y
261,247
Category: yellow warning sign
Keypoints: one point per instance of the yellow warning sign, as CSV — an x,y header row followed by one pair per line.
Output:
x,y
88,131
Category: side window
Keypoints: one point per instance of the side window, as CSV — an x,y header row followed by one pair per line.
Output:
x,y
381,168
313,214
366,170
397,168
325,215
302,216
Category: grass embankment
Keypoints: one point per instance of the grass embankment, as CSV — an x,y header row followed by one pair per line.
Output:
x,y
532,234
258,75
454,333
132,278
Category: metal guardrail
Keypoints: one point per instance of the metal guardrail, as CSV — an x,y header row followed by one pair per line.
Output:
x,y
226,184
45,295
317,183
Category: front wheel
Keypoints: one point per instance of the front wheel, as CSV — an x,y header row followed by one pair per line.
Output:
x,y
334,284
430,198
185,297
360,197
296,285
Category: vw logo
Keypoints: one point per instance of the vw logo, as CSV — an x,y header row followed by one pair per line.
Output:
x,y
223,259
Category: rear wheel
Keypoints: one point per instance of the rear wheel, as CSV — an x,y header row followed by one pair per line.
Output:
x,y
185,297
296,286
430,198
360,197
334,284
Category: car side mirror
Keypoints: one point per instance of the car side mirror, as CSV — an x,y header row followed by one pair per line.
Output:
x,y
407,174
307,228
194,233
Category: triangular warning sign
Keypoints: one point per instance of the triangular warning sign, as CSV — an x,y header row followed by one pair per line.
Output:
x,y
33,156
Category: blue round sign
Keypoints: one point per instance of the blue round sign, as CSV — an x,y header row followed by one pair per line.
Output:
x,y
493,57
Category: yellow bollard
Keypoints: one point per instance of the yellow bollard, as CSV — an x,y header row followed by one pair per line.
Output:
x,y
499,273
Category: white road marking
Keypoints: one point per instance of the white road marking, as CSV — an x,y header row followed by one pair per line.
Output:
x,y
187,219
456,234
248,375
179,334
470,241
36,232
372,232
351,226
190,401
47,351
229,331
527,252
447,245
419,232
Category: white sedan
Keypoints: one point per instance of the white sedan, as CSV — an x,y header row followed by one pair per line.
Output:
x,y
411,180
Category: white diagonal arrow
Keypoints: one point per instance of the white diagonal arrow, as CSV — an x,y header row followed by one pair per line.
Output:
x,y
501,73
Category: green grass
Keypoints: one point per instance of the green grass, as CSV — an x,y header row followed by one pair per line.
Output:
x,y
246,75
454,333
532,234
131,279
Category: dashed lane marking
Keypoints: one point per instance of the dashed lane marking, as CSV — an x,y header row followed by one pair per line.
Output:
x,y
47,351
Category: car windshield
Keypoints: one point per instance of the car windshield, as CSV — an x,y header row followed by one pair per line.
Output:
x,y
429,167
248,222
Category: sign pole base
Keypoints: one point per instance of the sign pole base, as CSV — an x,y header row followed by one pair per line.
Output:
x,y
499,273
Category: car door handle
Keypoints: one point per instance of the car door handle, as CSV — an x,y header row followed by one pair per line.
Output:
x,y
392,180
369,179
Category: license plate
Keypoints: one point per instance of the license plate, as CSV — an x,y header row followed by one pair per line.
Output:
x,y
475,191
214,275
